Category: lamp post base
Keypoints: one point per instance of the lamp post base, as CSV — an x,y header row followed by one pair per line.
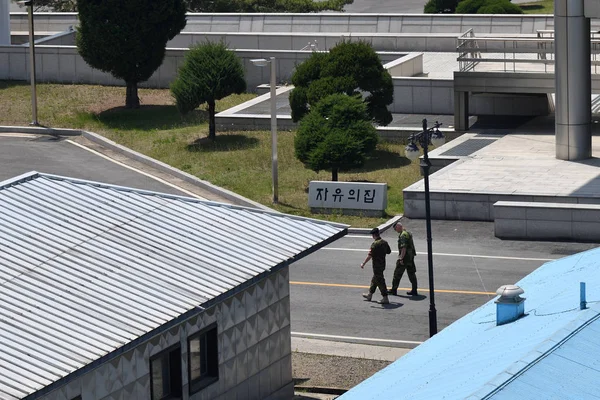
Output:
x,y
432,321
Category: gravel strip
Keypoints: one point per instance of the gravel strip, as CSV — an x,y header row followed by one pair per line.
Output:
x,y
310,370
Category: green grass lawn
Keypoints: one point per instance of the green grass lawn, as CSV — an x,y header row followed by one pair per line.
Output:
x,y
238,160
538,7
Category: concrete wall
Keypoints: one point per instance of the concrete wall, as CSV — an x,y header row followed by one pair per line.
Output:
x,y
325,41
547,221
66,38
409,65
43,22
482,206
591,8
330,22
510,82
255,360
413,95
64,64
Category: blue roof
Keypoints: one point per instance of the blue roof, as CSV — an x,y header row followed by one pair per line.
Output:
x,y
551,352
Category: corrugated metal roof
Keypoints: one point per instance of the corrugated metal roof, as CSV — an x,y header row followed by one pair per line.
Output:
x,y
531,358
85,268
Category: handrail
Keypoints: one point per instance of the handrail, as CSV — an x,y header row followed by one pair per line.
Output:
x,y
514,50
466,47
311,46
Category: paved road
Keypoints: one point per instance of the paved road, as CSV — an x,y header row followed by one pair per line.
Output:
x,y
19,155
326,286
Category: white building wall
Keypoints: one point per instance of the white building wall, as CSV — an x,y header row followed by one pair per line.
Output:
x,y
254,352
338,22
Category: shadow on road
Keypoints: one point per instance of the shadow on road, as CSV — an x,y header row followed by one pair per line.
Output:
x,y
390,306
418,297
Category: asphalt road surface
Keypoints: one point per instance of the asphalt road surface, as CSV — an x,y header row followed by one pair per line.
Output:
x,y
25,153
469,265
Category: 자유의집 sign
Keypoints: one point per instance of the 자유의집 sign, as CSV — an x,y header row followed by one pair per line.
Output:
x,y
347,195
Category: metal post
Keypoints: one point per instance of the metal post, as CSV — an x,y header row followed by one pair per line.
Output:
x,y
34,118
273,87
426,164
573,81
582,300
4,23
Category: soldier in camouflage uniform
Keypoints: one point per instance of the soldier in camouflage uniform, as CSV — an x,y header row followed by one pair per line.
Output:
x,y
379,249
406,260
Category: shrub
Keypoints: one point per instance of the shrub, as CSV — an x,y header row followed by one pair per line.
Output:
x,y
440,6
335,135
349,68
487,7
209,73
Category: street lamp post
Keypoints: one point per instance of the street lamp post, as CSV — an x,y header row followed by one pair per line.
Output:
x,y
424,138
34,117
263,62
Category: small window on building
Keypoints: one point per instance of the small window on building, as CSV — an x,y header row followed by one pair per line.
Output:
x,y
165,375
203,359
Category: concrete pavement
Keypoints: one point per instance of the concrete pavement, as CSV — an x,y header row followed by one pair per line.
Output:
x,y
341,349
487,165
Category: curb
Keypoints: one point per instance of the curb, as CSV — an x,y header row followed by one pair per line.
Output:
x,y
320,390
382,228
161,166
41,130
229,195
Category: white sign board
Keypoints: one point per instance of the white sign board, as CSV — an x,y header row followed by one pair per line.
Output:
x,y
347,195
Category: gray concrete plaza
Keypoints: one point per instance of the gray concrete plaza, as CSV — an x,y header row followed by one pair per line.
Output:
x,y
519,165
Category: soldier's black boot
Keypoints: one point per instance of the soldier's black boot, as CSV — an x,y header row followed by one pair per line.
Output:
x,y
393,292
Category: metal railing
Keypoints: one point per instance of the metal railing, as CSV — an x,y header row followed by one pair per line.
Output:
x,y
510,52
311,46
468,51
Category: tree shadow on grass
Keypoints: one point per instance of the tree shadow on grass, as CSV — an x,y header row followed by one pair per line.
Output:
x,y
150,117
384,159
290,206
531,7
10,84
223,143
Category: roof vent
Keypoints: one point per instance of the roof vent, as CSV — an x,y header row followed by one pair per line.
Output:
x,y
510,306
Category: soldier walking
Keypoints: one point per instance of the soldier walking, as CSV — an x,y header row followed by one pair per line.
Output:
x,y
379,249
406,260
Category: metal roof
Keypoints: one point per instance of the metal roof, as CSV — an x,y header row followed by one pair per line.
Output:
x,y
85,268
551,352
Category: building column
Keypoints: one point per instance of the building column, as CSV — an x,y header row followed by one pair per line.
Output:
x,y
4,22
573,81
461,111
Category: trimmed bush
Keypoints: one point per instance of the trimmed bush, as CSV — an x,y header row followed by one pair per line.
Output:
x,y
440,6
487,7
210,72
336,135
349,68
